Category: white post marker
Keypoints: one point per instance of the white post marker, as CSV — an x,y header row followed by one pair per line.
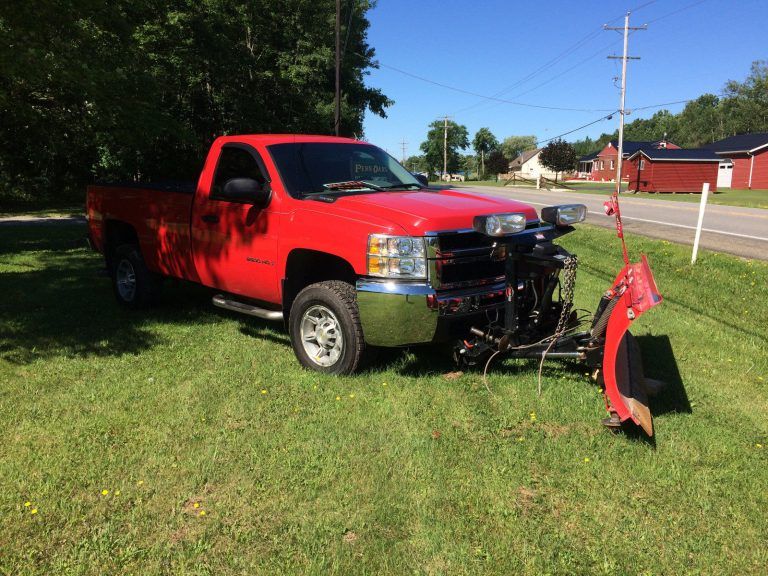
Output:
x,y
702,206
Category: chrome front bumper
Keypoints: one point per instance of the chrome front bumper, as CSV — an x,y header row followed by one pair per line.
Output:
x,y
400,313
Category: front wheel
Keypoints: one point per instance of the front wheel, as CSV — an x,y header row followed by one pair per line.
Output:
x,y
325,329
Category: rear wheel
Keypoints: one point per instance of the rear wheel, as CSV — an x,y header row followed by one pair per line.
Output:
x,y
325,328
133,283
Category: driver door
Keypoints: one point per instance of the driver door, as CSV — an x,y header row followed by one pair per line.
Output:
x,y
235,241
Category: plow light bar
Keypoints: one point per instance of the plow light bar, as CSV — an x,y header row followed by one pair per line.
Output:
x,y
565,214
499,224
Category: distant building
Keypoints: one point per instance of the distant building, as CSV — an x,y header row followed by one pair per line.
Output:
x,y
672,170
528,166
604,163
744,160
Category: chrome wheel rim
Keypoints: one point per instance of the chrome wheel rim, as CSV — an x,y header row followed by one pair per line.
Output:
x,y
125,278
321,336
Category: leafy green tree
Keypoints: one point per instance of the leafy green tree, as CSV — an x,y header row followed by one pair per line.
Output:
x,y
745,104
483,143
700,122
558,156
416,164
139,89
513,146
458,139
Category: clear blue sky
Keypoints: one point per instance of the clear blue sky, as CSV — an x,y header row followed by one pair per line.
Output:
x,y
485,46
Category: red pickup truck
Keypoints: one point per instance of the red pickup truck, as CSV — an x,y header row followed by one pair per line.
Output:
x,y
331,234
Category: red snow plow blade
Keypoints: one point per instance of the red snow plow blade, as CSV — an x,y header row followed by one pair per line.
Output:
x,y
633,292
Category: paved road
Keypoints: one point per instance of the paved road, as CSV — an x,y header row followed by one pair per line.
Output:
x,y
739,231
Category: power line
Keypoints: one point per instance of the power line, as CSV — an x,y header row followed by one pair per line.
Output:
x,y
463,91
606,117
686,7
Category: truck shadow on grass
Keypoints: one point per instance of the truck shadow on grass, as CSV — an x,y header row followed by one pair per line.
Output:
x,y
57,301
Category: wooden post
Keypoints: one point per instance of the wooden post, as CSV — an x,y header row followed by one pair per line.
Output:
x,y
702,206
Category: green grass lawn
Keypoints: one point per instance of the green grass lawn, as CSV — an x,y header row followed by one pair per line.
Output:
x,y
187,440
725,197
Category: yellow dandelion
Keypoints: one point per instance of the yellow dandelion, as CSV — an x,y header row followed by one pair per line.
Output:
x,y
519,438
532,416
33,511
338,398
202,513
351,395
117,492
383,383
586,459
263,391
140,482
27,504
104,492
196,505
758,445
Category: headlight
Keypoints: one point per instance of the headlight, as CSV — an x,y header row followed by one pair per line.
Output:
x,y
396,256
565,214
499,224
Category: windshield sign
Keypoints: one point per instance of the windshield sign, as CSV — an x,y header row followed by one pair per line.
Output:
x,y
321,167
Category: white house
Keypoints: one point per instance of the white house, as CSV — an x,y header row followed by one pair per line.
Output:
x,y
528,166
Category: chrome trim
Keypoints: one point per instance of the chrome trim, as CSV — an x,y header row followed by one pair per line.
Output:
x,y
396,313
222,301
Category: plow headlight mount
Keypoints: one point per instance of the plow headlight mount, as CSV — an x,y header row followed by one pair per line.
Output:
x,y
564,214
499,224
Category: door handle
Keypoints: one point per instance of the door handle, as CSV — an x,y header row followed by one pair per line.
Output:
x,y
210,218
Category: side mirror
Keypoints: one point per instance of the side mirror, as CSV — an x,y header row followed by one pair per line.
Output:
x,y
422,180
247,190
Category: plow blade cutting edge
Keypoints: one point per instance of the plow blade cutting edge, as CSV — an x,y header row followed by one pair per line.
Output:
x,y
634,292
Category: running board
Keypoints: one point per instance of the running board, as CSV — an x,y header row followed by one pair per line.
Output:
x,y
223,302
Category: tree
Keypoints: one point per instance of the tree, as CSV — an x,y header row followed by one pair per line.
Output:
x,y
558,156
136,89
483,143
497,163
513,146
416,164
458,139
745,104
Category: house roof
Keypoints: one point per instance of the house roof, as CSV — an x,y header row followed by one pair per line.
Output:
x,y
589,157
523,157
678,155
740,143
632,146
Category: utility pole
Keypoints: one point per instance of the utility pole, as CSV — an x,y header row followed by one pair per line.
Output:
x,y
337,115
445,145
403,144
622,112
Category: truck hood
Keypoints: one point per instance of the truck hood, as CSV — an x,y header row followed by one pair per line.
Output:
x,y
421,211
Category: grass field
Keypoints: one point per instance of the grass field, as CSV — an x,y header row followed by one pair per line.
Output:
x,y
186,440
725,197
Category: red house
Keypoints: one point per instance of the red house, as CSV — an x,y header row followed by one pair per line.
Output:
x,y
749,154
673,170
604,165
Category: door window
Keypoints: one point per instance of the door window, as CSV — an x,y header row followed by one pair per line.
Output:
x,y
236,161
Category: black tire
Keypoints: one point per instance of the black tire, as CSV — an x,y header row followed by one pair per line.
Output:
x,y
126,261
340,299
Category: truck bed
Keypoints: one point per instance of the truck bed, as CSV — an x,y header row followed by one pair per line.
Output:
x,y
160,215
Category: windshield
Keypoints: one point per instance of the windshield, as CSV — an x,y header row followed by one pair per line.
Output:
x,y
335,168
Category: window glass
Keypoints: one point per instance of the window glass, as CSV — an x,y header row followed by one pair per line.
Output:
x,y
308,167
235,162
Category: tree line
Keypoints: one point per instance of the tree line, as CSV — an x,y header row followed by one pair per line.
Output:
x,y
742,108
137,89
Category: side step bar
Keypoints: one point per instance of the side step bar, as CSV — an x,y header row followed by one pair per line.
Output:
x,y
223,302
